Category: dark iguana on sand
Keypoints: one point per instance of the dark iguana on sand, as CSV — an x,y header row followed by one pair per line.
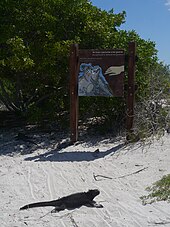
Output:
x,y
70,202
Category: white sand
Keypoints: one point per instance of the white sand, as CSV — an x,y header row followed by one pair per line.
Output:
x,y
47,174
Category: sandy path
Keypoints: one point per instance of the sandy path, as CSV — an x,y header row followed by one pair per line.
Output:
x,y
45,175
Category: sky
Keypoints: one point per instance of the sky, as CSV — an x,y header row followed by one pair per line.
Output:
x,y
149,18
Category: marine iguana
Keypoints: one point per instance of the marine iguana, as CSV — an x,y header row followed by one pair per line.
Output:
x,y
70,202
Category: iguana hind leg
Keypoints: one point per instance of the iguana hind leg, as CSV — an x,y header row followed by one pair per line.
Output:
x,y
58,208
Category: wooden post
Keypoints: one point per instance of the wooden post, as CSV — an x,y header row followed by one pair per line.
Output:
x,y
131,88
74,67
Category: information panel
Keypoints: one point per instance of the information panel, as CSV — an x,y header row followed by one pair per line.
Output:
x,y
101,73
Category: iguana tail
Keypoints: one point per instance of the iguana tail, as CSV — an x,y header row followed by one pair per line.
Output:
x,y
40,204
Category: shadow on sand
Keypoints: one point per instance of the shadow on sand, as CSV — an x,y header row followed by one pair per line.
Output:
x,y
73,156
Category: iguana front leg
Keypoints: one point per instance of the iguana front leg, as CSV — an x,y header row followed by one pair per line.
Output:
x,y
94,204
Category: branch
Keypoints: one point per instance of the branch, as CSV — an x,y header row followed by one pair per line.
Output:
x,y
6,99
28,102
5,103
42,98
138,171
96,176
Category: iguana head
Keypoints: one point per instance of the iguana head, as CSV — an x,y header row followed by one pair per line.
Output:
x,y
92,193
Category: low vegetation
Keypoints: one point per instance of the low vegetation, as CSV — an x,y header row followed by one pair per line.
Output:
x,y
159,191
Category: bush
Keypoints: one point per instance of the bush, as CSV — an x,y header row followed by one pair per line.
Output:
x,y
35,41
160,191
152,112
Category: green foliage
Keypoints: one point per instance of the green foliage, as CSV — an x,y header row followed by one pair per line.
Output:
x,y
19,58
35,42
152,114
160,191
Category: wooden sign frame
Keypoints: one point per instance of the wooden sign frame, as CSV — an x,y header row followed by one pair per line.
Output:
x,y
74,71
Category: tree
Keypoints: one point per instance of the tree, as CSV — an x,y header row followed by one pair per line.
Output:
x,y
35,41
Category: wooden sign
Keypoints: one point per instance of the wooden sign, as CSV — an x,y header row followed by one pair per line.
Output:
x,y
101,73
